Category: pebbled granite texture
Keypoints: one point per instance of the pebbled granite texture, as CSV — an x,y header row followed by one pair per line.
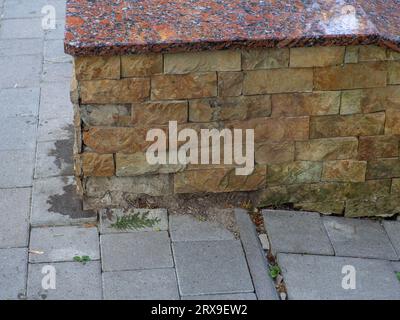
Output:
x,y
110,27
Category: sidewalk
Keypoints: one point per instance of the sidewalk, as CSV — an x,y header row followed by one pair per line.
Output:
x,y
179,256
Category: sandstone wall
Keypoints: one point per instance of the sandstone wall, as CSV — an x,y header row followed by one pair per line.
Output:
x,y
326,123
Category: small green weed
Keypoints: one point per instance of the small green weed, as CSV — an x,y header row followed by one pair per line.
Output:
x,y
398,275
135,221
82,259
274,271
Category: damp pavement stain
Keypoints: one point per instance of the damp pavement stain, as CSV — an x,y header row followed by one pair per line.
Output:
x,y
62,152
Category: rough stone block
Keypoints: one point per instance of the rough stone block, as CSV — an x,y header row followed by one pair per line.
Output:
x,y
204,61
349,125
229,108
141,65
316,56
156,284
395,186
392,124
149,113
136,250
197,274
359,238
383,168
296,232
372,53
374,147
351,76
305,104
188,86
265,58
294,172
327,149
115,91
59,244
278,81
230,84
374,206
105,115
344,170
351,55
218,180
274,152
97,67
325,207
98,165
394,72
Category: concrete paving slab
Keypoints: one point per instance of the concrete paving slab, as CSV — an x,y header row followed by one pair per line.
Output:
x,y
55,203
234,296
16,169
56,72
153,284
108,218
18,133
55,129
296,232
133,251
20,71
31,9
21,102
14,217
211,267
54,52
21,29
59,244
54,158
55,100
57,33
359,238
189,228
17,47
311,277
392,228
13,273
74,281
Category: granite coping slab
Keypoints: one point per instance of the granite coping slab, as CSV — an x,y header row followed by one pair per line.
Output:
x,y
107,27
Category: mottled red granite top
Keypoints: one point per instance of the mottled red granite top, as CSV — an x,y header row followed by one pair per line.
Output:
x,y
104,27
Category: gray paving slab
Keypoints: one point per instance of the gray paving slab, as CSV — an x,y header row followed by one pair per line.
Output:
x,y
54,158
55,129
14,217
54,52
17,47
55,100
108,217
255,256
18,133
189,228
30,9
20,102
57,33
59,244
57,72
74,281
234,296
312,277
55,202
133,251
396,266
13,273
20,71
16,169
359,238
211,267
296,232
392,228
152,284
21,29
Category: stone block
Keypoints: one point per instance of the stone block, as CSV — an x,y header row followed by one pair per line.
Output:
x,y
392,124
230,84
115,91
395,186
351,54
136,250
374,147
278,81
348,125
383,168
265,58
372,53
105,115
141,65
325,207
204,61
97,165
294,172
274,152
351,76
344,170
149,113
394,72
373,207
305,104
316,56
187,86
218,180
97,67
327,149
